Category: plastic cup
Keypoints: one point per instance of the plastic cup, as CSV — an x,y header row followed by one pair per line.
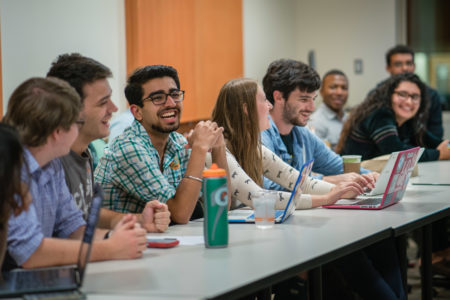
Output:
x,y
352,163
264,206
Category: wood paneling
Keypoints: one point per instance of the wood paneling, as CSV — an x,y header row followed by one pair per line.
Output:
x,y
202,39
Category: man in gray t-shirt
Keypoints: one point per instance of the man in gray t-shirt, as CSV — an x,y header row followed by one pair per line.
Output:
x,y
90,80
79,178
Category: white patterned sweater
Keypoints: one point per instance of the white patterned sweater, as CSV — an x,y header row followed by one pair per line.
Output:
x,y
242,186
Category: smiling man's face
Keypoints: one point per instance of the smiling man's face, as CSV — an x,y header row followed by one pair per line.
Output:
x,y
334,91
298,107
163,118
97,110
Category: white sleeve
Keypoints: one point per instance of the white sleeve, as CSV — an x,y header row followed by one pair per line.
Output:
x,y
242,186
285,175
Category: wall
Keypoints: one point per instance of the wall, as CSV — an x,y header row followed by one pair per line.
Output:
x,y
34,33
269,33
338,32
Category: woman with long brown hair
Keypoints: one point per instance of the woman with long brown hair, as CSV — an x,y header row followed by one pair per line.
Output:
x,y
13,193
392,118
242,110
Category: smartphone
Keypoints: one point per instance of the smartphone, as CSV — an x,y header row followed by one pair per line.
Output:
x,y
162,243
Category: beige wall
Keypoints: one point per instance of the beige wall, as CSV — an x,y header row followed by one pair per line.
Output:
x,y
34,33
269,31
338,31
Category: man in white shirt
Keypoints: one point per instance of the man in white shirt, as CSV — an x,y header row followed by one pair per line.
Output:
x,y
328,119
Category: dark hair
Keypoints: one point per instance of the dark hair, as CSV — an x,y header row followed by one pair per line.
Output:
x,y
399,49
11,159
382,98
134,91
334,72
78,70
39,106
285,75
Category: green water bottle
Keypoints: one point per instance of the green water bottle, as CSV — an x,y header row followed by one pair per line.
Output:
x,y
215,223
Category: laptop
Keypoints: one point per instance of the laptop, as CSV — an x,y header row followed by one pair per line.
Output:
x,y
391,184
281,215
55,279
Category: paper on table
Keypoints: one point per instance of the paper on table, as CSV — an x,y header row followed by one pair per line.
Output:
x,y
187,240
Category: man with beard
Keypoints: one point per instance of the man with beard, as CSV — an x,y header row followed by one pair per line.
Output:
x,y
328,119
291,86
90,79
149,160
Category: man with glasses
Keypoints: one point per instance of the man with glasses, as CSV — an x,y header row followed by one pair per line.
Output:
x,y
400,59
90,79
149,160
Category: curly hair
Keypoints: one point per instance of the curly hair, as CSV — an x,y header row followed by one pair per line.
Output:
x,y
382,97
285,75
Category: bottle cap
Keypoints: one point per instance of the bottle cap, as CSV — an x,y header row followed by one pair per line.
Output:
x,y
214,171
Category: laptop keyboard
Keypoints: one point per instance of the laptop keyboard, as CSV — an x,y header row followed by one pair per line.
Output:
x,y
31,280
71,295
371,201
27,280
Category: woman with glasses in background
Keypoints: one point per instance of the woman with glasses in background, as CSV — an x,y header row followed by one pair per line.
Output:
x,y
392,118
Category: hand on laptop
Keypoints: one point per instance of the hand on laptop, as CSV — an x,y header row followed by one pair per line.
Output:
x,y
155,217
342,190
128,239
362,180
371,177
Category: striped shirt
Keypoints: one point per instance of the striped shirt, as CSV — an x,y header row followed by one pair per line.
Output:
x,y
129,172
379,134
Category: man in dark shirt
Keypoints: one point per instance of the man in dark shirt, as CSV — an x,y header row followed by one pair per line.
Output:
x,y
90,79
400,59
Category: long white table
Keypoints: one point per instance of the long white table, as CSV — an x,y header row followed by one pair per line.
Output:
x,y
256,259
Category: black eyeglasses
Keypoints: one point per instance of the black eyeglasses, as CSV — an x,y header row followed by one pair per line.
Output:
x,y
403,95
160,98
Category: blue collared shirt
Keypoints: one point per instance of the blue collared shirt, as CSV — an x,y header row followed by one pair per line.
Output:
x,y
53,212
306,146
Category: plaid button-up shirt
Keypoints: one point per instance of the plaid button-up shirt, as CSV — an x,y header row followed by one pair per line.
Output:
x,y
129,171
53,212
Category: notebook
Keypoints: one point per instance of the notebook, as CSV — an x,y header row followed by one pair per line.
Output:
x,y
391,184
55,279
281,215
